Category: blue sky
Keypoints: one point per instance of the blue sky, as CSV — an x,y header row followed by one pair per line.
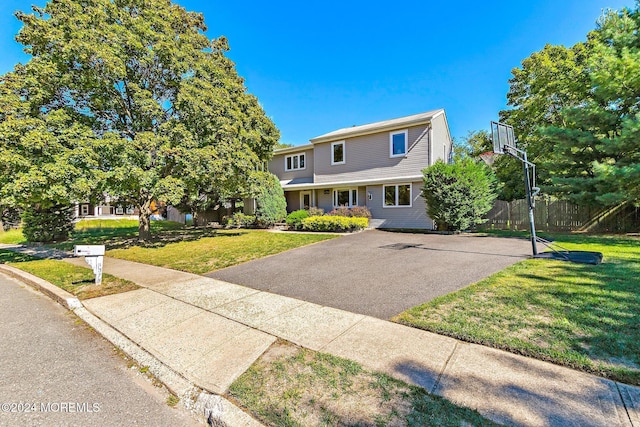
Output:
x,y
320,66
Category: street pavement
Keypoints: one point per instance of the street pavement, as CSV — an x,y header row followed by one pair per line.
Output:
x,y
55,371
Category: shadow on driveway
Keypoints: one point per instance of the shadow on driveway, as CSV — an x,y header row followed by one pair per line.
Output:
x,y
379,273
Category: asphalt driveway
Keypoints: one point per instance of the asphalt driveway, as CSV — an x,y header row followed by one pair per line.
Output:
x,y
379,273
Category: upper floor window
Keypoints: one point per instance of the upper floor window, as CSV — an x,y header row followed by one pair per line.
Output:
x,y
294,162
398,143
396,196
337,153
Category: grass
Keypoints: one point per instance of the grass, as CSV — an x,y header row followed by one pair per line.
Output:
x,y
190,249
78,281
12,236
224,249
195,250
577,315
291,386
116,233
172,400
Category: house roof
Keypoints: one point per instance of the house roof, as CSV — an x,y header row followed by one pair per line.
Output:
x,y
295,149
400,122
306,184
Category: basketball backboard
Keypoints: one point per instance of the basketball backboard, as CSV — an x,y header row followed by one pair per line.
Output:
x,y
502,136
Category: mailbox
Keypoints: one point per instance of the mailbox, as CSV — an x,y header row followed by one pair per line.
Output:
x,y
88,250
94,256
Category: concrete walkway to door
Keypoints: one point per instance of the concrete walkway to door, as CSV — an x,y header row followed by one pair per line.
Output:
x,y
379,273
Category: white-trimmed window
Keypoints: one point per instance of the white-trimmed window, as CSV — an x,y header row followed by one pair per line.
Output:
x,y
398,142
337,153
347,197
397,196
294,162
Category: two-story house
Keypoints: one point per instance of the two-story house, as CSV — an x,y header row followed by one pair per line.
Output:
x,y
377,165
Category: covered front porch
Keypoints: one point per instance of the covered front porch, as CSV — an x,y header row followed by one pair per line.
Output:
x,y
326,199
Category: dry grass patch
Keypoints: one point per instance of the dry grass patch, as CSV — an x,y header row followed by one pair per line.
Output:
x,y
292,386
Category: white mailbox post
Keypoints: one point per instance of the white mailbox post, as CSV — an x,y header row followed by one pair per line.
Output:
x,y
94,256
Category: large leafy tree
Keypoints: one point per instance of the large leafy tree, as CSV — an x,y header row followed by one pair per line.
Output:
x,y
47,157
548,82
473,144
164,108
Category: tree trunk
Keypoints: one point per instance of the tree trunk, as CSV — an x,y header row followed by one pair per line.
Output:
x,y
144,222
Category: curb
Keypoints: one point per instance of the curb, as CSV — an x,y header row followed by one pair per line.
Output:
x,y
60,296
211,408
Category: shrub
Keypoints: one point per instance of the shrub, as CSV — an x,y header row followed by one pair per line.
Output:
x,y
271,203
354,212
313,211
458,194
47,224
340,211
241,220
334,223
360,212
294,219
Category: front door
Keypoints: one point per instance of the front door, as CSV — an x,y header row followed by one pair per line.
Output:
x,y
305,199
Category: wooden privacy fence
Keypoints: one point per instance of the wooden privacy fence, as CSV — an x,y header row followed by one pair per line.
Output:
x,y
561,215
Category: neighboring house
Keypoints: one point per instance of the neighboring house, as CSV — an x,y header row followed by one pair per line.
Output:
x,y
108,208
87,210
378,165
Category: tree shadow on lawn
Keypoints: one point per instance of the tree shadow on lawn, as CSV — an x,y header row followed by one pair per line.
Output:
x,y
124,238
7,256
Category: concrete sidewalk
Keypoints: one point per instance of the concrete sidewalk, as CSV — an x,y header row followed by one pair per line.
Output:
x,y
211,331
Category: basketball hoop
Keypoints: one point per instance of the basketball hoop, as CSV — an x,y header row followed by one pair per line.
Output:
x,y
488,157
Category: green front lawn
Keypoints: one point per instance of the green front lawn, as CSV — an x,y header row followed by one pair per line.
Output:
x,y
115,233
76,280
11,236
225,248
583,316
195,250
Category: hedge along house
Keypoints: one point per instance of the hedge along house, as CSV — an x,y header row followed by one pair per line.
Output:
x,y
378,165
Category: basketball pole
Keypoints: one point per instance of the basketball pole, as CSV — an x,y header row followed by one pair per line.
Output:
x,y
504,142
530,203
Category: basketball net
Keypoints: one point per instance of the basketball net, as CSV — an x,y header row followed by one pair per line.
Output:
x,y
488,157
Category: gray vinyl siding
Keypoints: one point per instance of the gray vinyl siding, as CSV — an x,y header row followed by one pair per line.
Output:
x,y
441,141
277,166
399,217
293,200
324,201
367,157
362,196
